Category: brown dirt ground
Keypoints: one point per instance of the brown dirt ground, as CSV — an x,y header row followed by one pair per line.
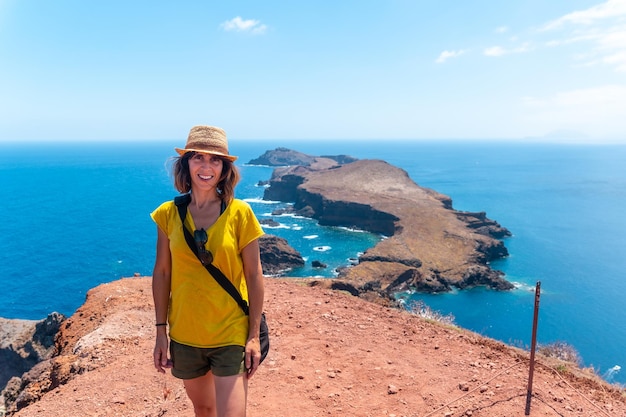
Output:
x,y
332,355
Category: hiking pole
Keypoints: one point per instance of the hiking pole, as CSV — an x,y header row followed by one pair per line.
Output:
x,y
533,345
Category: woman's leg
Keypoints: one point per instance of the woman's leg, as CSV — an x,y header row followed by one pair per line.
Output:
x,y
201,392
232,394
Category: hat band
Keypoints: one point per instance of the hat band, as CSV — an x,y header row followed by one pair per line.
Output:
x,y
206,147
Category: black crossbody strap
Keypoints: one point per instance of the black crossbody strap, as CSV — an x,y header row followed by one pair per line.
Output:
x,y
182,202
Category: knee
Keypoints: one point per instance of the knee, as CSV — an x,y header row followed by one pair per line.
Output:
x,y
204,410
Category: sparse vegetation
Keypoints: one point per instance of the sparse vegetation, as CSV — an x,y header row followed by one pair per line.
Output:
x,y
560,350
419,308
562,368
519,344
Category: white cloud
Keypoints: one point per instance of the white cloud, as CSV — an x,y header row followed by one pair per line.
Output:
x,y
499,51
607,45
599,31
445,55
237,24
602,26
613,38
610,9
618,60
494,51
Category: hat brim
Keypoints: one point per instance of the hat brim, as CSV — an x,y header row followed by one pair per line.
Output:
x,y
182,151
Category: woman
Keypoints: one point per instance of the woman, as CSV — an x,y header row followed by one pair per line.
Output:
x,y
214,346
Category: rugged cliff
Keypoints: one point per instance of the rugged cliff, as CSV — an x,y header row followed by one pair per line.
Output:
x,y
429,246
277,256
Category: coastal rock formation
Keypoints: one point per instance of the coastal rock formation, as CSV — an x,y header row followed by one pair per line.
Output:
x,y
277,257
282,157
26,348
430,247
24,343
288,157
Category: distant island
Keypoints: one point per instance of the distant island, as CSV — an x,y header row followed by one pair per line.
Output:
x,y
429,246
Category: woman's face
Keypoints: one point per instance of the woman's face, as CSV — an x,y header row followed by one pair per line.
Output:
x,y
205,170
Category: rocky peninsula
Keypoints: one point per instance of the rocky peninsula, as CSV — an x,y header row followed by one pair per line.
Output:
x,y
428,246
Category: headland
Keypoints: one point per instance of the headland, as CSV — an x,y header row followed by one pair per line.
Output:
x,y
428,246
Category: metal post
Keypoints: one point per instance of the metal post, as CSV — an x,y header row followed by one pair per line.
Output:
x,y
533,345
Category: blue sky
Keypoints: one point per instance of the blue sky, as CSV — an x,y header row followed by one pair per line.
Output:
x,y
341,69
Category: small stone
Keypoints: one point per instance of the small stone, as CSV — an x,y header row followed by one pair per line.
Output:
x,y
392,389
463,386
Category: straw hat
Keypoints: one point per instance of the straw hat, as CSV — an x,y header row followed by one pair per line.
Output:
x,y
207,139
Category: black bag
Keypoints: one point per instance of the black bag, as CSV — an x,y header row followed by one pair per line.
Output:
x,y
264,337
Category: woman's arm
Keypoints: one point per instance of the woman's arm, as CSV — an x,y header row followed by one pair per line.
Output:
x,y
256,292
161,284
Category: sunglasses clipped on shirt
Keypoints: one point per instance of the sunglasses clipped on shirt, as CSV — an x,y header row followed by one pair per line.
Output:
x,y
200,237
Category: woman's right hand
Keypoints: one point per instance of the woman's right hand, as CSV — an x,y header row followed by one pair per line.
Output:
x,y
161,362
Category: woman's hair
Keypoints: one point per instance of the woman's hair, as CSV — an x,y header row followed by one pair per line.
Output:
x,y
225,186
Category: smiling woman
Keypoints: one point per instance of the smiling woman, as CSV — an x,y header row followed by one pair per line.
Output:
x,y
214,344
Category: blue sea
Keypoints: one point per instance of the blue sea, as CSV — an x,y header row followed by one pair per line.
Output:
x,y
75,215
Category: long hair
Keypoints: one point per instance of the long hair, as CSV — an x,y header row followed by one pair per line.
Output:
x,y
225,186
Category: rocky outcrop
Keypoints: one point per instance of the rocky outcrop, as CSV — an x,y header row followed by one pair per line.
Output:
x,y
24,343
429,246
479,222
288,157
283,157
277,257
76,341
26,349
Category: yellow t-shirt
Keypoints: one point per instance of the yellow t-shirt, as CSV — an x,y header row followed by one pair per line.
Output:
x,y
201,313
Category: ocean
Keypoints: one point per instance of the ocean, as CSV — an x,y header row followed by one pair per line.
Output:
x,y
77,214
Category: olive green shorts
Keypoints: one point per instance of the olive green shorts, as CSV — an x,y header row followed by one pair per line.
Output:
x,y
191,362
